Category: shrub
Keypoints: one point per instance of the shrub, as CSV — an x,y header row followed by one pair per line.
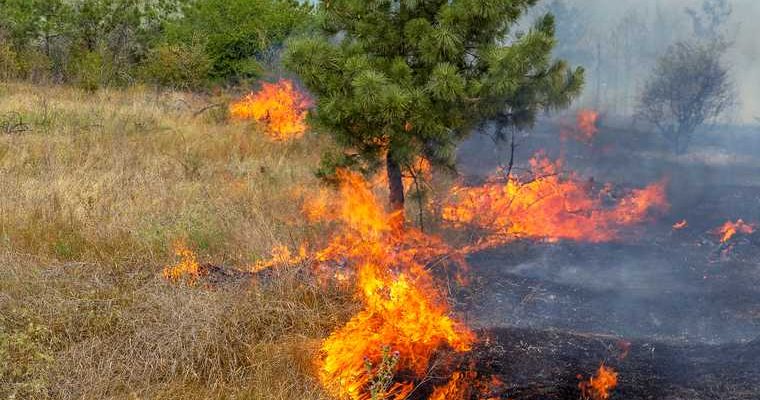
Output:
x,y
689,86
8,62
180,66
90,70
240,34
35,66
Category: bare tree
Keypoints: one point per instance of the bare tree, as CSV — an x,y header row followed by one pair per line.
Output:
x,y
709,21
688,87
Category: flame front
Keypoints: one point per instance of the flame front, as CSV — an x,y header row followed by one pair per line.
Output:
x,y
280,255
730,229
598,387
278,105
403,312
403,309
550,207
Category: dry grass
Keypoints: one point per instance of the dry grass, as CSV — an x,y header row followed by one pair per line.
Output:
x,y
94,195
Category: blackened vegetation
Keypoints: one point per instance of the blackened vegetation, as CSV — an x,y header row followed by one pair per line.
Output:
x,y
545,365
683,306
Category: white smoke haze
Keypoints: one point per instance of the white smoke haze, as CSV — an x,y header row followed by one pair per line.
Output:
x,y
621,41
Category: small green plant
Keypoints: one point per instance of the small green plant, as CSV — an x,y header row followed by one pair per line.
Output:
x,y
382,376
23,360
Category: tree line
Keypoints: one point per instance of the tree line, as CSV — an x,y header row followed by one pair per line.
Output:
x,y
184,44
394,80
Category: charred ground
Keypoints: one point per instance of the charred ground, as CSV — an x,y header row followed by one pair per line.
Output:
x,y
688,305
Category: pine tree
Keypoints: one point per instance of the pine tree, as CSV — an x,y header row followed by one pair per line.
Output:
x,y
405,78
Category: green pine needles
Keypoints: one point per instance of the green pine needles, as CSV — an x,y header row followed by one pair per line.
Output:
x,y
407,78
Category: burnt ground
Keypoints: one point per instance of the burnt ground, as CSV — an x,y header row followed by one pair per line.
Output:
x,y
544,364
689,306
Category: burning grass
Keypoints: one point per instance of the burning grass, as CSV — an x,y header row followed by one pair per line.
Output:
x,y
551,205
403,308
100,198
599,386
730,229
279,106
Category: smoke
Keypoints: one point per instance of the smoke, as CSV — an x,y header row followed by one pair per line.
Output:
x,y
618,43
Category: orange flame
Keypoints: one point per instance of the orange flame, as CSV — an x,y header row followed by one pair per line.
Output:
x,y
280,106
458,387
280,255
420,168
586,123
730,229
463,385
187,268
599,387
549,207
680,225
403,309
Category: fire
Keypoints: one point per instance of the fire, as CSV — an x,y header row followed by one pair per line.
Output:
x,y
599,387
420,168
280,106
680,225
586,123
403,309
463,385
387,347
730,229
550,206
458,387
187,268
281,255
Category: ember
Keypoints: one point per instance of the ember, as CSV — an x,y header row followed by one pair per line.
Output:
x,y
280,106
680,225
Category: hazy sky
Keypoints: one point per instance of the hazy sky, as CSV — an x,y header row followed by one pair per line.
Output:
x,y
744,58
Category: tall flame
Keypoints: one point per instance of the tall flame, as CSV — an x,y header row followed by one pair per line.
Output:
x,y
403,309
280,106
550,207
404,313
730,229
598,387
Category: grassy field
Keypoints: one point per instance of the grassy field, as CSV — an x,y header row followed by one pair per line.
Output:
x,y
94,193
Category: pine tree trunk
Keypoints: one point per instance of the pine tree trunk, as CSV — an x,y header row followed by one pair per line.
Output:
x,y
395,184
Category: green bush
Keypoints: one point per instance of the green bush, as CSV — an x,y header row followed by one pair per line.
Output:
x,y
90,70
240,34
8,62
35,66
180,66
